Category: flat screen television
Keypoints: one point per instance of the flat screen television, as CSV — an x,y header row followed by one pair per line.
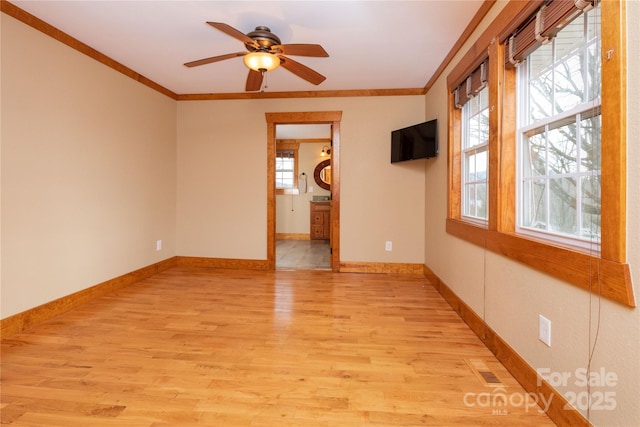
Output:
x,y
415,142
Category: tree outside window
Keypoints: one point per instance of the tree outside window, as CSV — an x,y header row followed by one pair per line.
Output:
x,y
560,134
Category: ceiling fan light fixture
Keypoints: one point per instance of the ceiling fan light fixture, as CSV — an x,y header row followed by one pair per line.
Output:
x,y
264,52
261,61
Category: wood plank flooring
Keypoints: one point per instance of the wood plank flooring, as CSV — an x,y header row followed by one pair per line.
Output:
x,y
212,347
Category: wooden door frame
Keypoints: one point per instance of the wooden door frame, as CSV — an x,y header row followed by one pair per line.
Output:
x,y
315,117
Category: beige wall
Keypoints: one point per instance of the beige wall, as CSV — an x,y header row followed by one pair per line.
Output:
x,y
511,296
225,142
88,171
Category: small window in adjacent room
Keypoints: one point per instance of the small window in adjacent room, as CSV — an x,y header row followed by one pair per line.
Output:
x,y
286,169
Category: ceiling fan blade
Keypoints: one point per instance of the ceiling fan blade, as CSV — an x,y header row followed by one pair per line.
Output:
x,y
301,50
214,59
302,71
254,81
229,30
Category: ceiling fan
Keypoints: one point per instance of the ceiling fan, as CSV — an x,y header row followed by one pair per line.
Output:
x,y
265,53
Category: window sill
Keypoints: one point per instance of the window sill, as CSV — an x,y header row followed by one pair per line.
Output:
x,y
609,278
283,191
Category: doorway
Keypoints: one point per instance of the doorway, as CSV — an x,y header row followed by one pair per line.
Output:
x,y
302,234
331,118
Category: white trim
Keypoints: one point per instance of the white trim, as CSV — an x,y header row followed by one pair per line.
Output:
x,y
584,245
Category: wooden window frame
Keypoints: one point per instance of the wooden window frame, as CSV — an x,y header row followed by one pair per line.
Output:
x,y
464,150
606,273
289,146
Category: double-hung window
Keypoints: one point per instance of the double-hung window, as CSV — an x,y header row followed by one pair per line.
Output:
x,y
472,97
537,169
286,168
558,91
475,139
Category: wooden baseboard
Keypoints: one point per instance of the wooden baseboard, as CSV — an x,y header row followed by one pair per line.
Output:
x,y
381,267
559,411
228,263
37,315
293,236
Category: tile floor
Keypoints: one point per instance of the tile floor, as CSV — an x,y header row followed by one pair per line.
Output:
x,y
303,255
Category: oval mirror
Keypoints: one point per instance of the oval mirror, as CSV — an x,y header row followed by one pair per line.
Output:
x,y
322,174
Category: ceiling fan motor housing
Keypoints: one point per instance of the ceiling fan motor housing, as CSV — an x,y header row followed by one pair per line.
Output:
x,y
263,37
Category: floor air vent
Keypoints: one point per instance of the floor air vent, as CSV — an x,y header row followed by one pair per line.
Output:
x,y
484,374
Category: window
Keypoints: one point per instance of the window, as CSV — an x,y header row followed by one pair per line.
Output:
x,y
555,187
559,136
475,164
286,168
472,98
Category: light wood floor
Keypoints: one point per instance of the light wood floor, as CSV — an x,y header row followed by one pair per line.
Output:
x,y
243,348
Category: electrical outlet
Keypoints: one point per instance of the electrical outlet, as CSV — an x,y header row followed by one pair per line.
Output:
x,y
388,246
545,330
158,245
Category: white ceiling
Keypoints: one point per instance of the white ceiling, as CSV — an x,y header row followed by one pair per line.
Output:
x,y
371,44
